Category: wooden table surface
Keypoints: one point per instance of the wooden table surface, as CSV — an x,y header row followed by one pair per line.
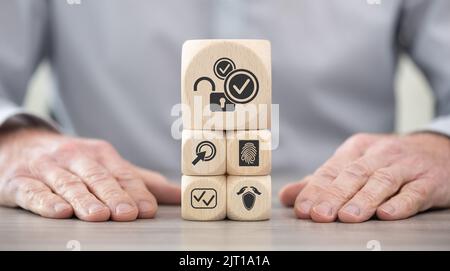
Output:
x,y
21,230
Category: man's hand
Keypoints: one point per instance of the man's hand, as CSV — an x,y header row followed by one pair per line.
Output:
x,y
394,177
57,176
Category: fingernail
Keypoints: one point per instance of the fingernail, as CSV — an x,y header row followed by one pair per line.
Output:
x,y
95,208
323,209
305,206
388,209
59,207
124,208
352,209
145,206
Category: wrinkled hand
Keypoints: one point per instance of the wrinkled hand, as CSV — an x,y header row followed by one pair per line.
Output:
x,y
394,177
57,176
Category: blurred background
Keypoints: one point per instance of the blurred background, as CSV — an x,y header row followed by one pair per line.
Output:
x,y
414,98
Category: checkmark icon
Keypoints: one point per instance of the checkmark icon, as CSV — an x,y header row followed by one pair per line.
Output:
x,y
224,70
203,198
209,201
242,88
223,67
199,198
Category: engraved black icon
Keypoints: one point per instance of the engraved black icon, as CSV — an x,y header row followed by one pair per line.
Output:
x,y
249,196
248,153
223,67
240,86
217,100
203,198
205,151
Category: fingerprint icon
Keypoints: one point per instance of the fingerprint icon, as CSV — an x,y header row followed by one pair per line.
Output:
x,y
248,152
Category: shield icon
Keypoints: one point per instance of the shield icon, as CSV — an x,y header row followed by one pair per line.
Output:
x,y
248,198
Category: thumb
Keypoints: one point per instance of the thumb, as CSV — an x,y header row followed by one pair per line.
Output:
x,y
289,192
164,191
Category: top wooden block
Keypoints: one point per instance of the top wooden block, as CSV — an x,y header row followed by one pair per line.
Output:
x,y
226,84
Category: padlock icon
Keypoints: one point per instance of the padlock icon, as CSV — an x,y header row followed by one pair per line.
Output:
x,y
217,100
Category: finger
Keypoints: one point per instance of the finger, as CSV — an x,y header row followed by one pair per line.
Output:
x,y
351,150
289,192
145,201
414,197
85,205
381,185
164,191
352,178
130,181
35,196
104,186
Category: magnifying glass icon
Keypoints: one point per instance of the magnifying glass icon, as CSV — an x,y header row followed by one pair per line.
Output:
x,y
205,151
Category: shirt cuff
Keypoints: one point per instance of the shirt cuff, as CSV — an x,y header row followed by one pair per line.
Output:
x,y
440,125
13,116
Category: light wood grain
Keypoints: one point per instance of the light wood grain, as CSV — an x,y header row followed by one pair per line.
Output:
x,y
203,197
235,155
190,140
198,60
239,187
21,230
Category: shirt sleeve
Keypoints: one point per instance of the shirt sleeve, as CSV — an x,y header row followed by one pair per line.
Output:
x,y
23,37
424,33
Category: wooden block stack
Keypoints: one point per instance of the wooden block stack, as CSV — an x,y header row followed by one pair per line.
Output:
x,y
226,142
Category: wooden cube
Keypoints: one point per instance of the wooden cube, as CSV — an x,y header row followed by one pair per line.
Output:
x,y
249,152
226,84
203,197
249,197
203,152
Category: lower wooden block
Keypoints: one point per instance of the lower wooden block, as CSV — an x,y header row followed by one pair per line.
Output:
x,y
249,197
203,197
